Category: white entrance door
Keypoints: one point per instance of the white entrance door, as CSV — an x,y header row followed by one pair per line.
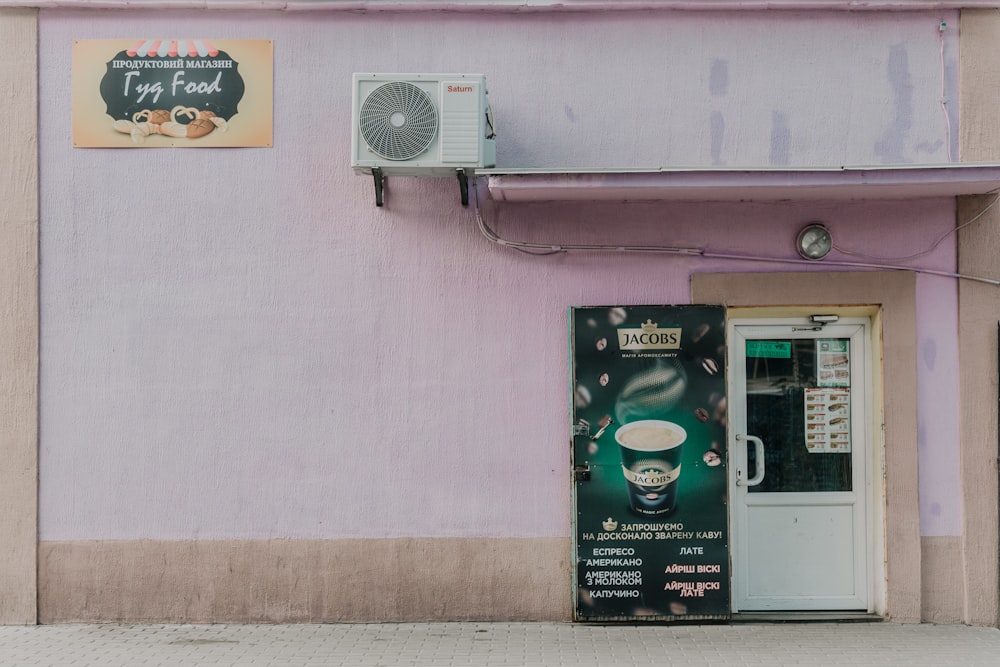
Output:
x,y
799,455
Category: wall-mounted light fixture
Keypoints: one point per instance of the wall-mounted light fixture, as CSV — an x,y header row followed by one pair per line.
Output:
x,y
814,241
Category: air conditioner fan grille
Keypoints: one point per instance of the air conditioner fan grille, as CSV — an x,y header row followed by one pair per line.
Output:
x,y
398,120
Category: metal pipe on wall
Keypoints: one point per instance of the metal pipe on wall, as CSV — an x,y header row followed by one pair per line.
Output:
x,y
512,5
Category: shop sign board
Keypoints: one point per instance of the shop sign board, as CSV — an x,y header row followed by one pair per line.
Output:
x,y
649,456
186,93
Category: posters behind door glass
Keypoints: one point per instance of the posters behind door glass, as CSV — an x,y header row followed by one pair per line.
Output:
x,y
649,448
833,362
828,420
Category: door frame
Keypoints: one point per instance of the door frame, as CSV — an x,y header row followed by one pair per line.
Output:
x,y
890,299
867,496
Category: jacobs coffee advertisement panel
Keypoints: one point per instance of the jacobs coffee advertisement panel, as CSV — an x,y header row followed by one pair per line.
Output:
x,y
649,454
187,93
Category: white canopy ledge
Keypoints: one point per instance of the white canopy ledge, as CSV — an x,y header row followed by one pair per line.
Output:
x,y
748,184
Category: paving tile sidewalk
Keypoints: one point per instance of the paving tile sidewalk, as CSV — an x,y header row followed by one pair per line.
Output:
x,y
499,644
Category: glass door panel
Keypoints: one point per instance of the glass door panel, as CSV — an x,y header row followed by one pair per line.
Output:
x,y
798,433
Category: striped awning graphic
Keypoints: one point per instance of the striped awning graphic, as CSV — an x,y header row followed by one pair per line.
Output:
x,y
171,48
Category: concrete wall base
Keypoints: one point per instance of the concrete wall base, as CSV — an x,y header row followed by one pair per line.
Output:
x,y
307,581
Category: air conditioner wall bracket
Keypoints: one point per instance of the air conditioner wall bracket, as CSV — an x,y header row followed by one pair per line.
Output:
x,y
379,182
463,185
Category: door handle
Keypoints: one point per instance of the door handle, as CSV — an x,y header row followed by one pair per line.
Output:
x,y
759,450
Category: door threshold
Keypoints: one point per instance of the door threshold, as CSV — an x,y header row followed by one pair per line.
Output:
x,y
805,617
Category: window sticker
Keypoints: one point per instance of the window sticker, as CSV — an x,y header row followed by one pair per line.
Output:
x,y
773,349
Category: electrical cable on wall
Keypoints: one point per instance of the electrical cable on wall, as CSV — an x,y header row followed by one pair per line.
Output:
x,y
933,246
944,98
543,249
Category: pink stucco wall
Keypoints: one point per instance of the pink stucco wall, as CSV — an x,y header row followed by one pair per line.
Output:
x,y
237,343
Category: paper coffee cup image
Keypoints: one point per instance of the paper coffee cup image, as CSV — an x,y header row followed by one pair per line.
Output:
x,y
651,463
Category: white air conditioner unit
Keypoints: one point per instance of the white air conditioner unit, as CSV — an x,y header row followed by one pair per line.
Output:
x,y
421,125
